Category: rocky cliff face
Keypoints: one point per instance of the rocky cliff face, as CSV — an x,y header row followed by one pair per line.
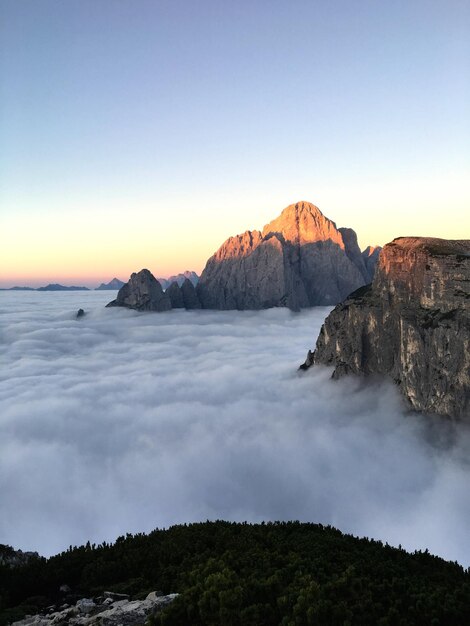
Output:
x,y
142,292
412,324
300,259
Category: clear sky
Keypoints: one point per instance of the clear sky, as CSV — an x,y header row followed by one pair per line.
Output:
x,y
142,133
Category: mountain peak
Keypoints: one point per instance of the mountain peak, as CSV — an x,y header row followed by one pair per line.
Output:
x,y
303,222
300,259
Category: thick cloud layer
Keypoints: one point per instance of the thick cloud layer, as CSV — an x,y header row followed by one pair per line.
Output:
x,y
121,422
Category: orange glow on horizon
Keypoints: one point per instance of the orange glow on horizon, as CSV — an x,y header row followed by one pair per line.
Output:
x,y
62,242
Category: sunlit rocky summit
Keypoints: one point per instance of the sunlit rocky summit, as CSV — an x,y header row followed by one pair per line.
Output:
x,y
411,324
298,260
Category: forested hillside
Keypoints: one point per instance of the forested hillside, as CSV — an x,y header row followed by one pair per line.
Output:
x,y
263,574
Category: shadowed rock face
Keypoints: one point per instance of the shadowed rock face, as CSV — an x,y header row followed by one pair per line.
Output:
x,y
300,259
175,295
190,297
412,324
370,256
354,253
143,293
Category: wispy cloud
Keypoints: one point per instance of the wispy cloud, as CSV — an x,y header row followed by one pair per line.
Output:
x,y
121,422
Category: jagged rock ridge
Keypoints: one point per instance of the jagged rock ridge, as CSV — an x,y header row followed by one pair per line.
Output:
x,y
300,259
412,324
143,292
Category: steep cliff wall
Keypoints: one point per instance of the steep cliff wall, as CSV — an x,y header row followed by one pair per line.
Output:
x,y
412,324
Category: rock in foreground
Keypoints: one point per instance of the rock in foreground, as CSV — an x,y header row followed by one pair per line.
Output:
x,y
142,292
103,611
412,324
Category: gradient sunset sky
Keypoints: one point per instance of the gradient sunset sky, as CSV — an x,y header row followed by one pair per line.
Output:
x,y
142,133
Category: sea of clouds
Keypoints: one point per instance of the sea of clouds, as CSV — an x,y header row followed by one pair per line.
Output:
x,y
122,422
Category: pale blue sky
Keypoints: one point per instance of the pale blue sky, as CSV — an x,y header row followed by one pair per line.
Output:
x,y
138,132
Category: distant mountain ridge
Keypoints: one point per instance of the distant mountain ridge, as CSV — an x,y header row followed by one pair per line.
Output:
x,y
57,287
179,279
50,287
115,284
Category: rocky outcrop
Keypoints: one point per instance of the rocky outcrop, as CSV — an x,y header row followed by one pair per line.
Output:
x,y
142,292
412,325
107,610
115,284
300,259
